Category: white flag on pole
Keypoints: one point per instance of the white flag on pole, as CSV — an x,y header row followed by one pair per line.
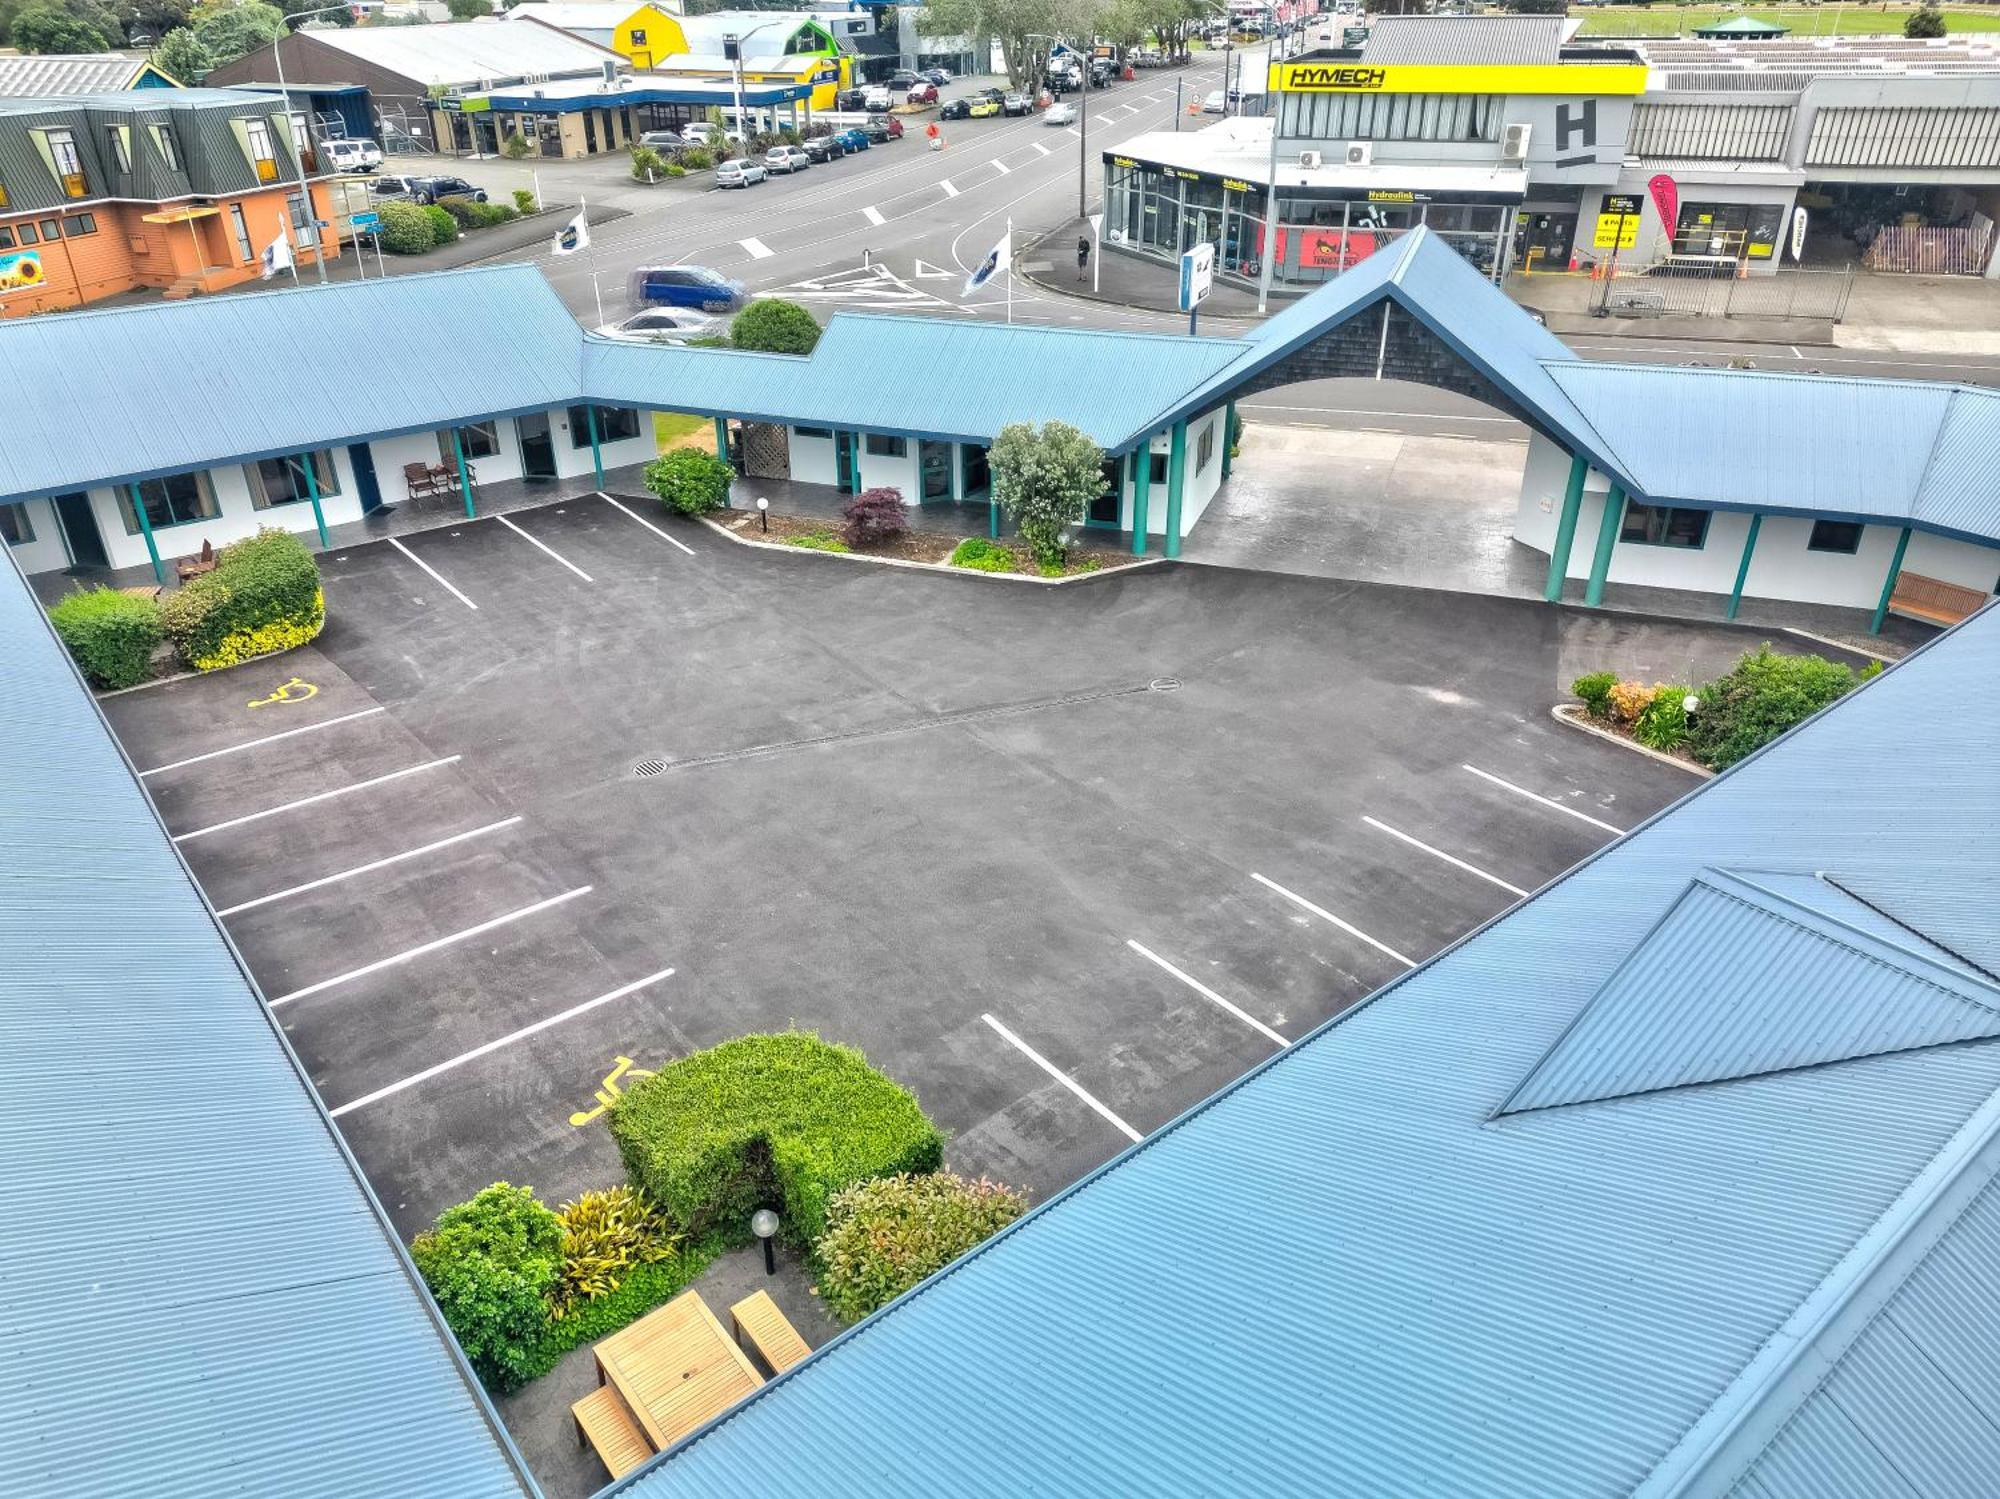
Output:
x,y
997,260
277,256
573,236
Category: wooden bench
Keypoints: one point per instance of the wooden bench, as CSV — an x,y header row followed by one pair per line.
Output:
x,y
603,1421
1933,599
770,1336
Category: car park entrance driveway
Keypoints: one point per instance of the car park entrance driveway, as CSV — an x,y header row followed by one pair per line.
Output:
x,y
563,794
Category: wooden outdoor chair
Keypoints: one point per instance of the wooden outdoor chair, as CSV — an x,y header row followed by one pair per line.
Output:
x,y
770,1336
194,567
603,1421
420,479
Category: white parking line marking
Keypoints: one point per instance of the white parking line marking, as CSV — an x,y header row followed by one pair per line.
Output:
x,y
1068,130
507,1040
1130,109
435,574
1326,915
1044,150
541,546
348,874
267,739
1001,167
757,248
307,801
950,188
1438,853
1795,351
1104,119
1487,775
1207,993
642,521
873,215
396,959
1060,1076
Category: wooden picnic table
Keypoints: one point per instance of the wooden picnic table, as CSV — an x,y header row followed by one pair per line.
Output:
x,y
676,1368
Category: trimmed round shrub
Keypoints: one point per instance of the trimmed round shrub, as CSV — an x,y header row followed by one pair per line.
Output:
x,y
774,326
111,635
883,1237
263,596
444,228
983,556
1595,692
1762,697
1629,700
405,229
524,200
464,211
783,1120
490,1264
874,516
690,481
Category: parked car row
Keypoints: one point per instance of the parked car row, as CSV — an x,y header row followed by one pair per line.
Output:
x,y
426,189
876,130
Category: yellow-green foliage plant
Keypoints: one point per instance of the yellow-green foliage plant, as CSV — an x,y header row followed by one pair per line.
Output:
x,y
605,1234
263,596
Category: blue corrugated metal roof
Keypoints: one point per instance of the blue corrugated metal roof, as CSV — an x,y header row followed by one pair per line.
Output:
x,y
1342,1275
1733,983
201,1294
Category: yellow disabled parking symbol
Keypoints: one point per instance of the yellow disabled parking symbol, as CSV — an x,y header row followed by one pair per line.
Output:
x,y
298,690
610,1090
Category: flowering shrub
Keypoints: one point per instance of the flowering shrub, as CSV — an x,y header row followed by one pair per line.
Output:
x,y
874,515
1629,699
884,1236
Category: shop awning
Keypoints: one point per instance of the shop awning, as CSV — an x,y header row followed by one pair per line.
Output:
x,y
180,215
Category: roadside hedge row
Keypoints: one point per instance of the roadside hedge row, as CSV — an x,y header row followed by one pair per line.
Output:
x,y
112,635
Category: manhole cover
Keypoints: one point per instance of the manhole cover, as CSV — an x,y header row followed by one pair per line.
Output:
x,y
1164,684
649,767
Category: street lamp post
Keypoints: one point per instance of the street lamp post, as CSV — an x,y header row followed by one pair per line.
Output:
x,y
732,45
299,147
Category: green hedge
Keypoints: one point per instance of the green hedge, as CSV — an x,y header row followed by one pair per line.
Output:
x,y
984,556
784,1119
1761,698
444,228
263,596
491,1263
112,635
691,481
406,230
885,1236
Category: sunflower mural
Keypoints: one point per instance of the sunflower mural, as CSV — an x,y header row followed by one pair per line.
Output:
x,y
20,272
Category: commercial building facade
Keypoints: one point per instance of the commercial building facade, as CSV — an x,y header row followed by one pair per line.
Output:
x,y
1527,150
178,190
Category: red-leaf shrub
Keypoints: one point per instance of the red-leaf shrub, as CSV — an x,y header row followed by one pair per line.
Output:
x,y
874,515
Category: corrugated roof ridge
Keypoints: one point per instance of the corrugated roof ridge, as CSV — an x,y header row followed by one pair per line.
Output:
x,y
1937,439
1723,1443
1177,340
1697,372
1257,1070
1891,916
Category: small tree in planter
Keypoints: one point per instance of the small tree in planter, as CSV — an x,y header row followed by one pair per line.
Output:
x,y
1044,480
648,165
874,516
690,481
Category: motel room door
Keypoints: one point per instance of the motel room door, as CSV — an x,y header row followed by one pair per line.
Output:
x,y
79,527
538,447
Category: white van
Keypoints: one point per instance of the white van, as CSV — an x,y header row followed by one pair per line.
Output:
x,y
352,156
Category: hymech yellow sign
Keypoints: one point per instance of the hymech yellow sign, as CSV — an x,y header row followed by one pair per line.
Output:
x,y
1457,78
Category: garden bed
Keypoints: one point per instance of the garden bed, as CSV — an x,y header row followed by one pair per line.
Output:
x,y
931,548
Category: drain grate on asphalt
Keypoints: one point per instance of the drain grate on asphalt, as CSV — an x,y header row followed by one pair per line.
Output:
x,y
649,768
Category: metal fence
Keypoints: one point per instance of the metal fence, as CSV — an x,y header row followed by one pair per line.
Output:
x,y
1719,291
1930,252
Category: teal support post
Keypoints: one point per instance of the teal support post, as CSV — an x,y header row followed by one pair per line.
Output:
x,y
992,516
312,493
596,450
1743,567
1176,481
1607,538
464,475
1566,530
722,438
1142,493
1228,437
1889,583
146,530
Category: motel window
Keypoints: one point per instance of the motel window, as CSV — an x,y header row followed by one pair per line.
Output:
x,y
163,142
68,162
6,238
51,229
121,154
15,527
614,424
820,432
79,224
27,232
881,445
263,155
240,226
1835,536
480,439
1156,468
1664,526
173,501
1205,448
282,481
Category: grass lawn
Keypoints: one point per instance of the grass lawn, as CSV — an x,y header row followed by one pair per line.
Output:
x,y
1805,20
676,429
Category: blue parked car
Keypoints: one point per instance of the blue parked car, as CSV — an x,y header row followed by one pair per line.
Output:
x,y
684,286
853,138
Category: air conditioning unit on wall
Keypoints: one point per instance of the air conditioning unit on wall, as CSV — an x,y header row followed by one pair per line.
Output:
x,y
1514,145
1308,158
1360,153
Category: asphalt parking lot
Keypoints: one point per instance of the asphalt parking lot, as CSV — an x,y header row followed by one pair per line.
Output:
x,y
587,788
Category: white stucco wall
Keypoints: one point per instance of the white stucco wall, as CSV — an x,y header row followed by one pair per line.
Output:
x,y
44,553
814,460
236,517
1198,486
883,471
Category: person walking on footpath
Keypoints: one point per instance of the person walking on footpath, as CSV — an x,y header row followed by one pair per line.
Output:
x,y
1083,257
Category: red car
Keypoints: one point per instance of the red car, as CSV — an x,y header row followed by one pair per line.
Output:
x,y
923,93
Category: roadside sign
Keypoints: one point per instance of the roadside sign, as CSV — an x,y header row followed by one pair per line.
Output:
x,y
1197,275
1353,36
1616,231
367,221
1621,203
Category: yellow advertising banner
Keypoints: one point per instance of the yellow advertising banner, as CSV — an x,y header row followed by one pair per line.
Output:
x,y
1616,231
1457,78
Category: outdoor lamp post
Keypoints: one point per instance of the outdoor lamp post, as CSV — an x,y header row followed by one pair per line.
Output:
x,y
764,1222
299,147
764,524
732,49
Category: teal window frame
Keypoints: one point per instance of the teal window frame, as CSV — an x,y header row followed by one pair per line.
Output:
x,y
266,476
1204,448
1643,515
204,492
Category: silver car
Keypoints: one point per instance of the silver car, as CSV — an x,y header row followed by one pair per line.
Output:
x,y
663,325
739,172
786,159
